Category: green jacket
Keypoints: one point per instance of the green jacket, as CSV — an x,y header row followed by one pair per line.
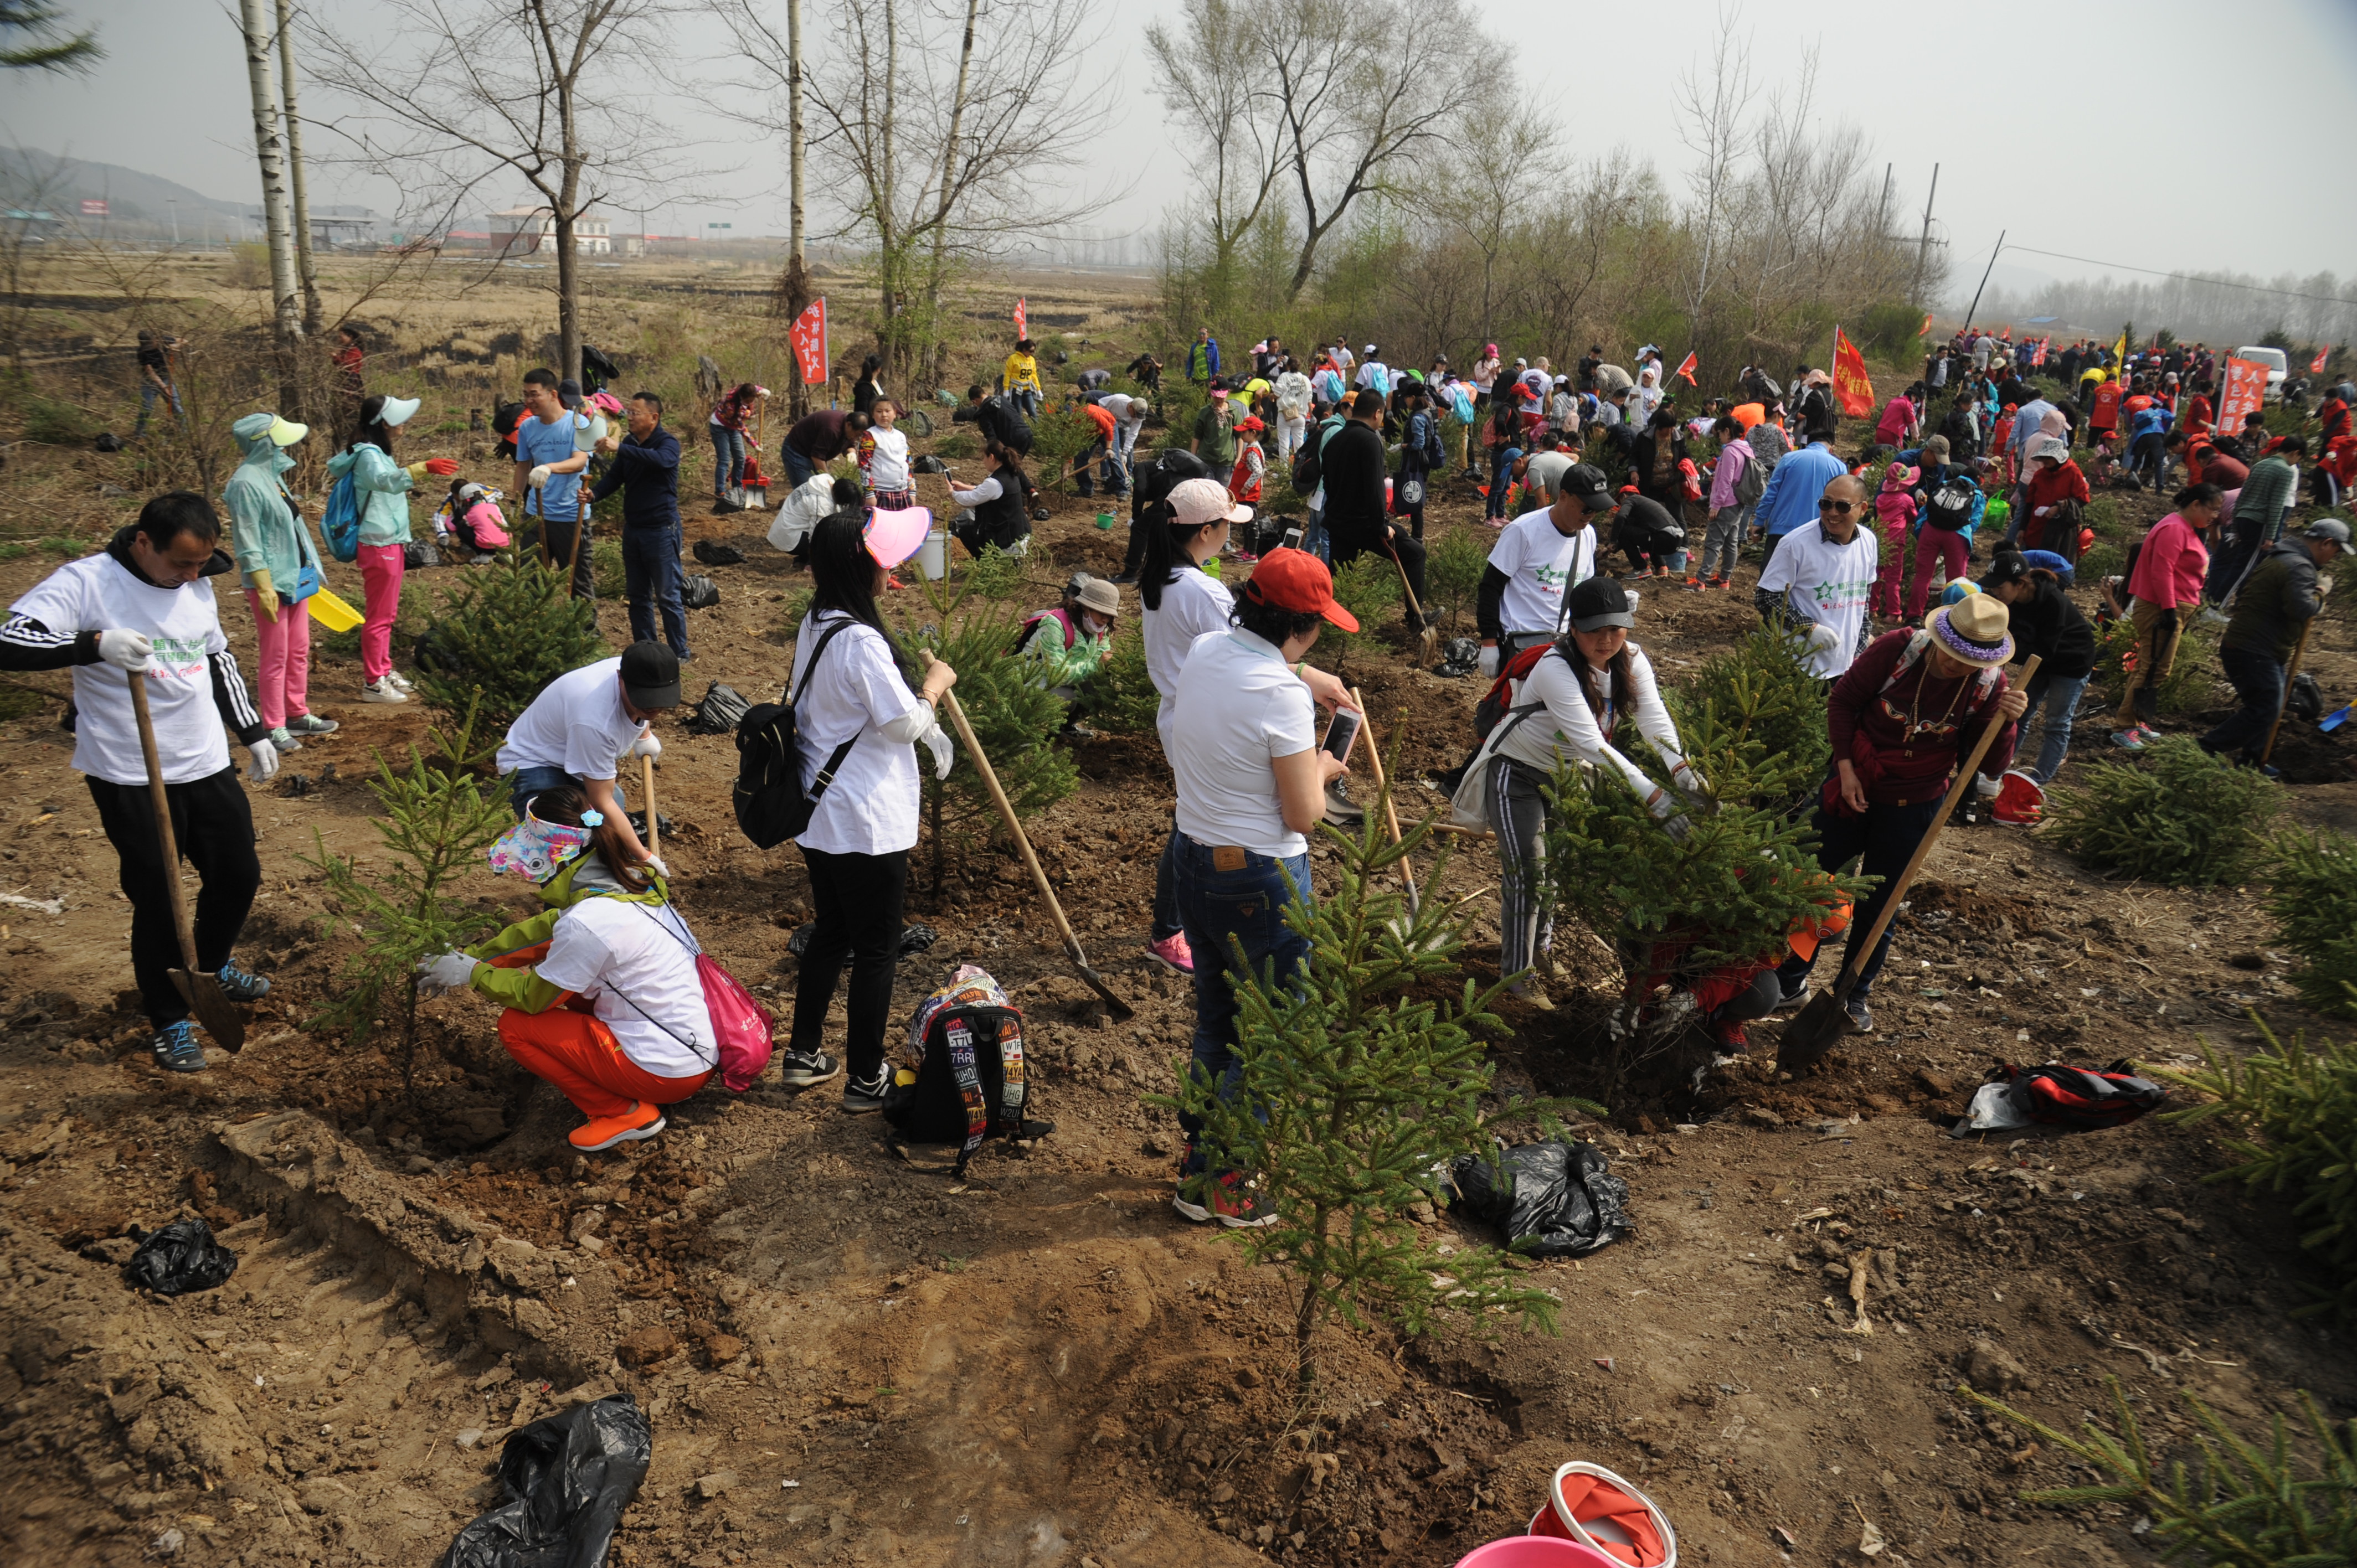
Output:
x,y
2275,601
265,532
1064,656
505,974
384,486
2270,486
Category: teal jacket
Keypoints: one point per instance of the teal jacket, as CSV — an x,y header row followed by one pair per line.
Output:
x,y
384,486
505,973
266,534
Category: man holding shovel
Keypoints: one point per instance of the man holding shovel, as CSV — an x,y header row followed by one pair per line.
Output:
x,y
143,610
549,465
1901,718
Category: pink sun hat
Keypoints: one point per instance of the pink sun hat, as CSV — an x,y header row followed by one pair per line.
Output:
x,y
894,533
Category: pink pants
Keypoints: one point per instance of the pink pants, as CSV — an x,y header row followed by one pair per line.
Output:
x,y
381,569
282,660
1940,547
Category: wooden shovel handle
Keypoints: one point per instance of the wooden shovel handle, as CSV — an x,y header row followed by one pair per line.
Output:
x,y
1390,816
163,806
647,778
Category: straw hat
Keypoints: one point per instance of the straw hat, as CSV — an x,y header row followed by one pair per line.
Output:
x,y
1973,630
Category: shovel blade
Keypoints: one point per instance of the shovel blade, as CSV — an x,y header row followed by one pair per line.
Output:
x,y
1122,1011
214,1010
1815,1030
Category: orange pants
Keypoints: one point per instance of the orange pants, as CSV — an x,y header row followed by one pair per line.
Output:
x,y
578,1054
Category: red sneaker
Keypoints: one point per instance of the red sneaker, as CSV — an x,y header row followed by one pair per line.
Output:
x,y
1226,1199
1731,1037
641,1121
1173,953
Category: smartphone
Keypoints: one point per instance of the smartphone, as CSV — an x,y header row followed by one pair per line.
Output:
x,y
1342,733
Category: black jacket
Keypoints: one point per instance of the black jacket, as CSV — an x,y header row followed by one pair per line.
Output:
x,y
647,473
1355,469
1818,418
2049,624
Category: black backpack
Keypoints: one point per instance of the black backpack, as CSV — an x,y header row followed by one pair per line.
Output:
x,y
2084,1097
770,804
969,1082
1309,464
1950,506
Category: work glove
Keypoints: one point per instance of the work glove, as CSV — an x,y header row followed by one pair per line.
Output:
x,y
1822,638
265,594
447,971
265,766
538,477
441,467
125,650
646,746
654,863
1693,786
1488,663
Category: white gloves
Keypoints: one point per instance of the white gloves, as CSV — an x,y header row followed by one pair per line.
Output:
x,y
538,477
450,971
265,766
1488,663
2042,511
125,650
1694,786
944,758
646,746
656,862
1822,638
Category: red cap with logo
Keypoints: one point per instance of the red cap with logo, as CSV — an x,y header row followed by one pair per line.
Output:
x,y
1296,580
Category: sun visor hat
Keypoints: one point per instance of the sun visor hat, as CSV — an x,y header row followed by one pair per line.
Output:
x,y
894,533
284,432
398,411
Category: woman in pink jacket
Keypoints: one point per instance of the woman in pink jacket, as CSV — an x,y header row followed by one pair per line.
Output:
x,y
1897,422
2164,596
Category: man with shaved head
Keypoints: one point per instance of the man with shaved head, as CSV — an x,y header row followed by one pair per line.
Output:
x,y
1819,578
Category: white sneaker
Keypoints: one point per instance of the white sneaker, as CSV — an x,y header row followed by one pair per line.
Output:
x,y
400,680
383,690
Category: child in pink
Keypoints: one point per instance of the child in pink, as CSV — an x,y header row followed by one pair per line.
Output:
x,y
1894,508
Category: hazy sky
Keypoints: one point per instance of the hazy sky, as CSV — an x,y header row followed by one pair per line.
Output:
x,y
2103,168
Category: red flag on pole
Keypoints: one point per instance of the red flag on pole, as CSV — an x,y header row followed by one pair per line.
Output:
x,y
1686,369
1924,331
1020,329
809,338
2315,366
1850,382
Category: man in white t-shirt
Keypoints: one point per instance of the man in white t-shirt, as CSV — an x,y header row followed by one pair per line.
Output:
x,y
144,610
583,723
1539,557
1821,575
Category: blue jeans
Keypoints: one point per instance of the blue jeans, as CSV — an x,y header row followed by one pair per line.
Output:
x,y
1313,536
1166,923
1502,473
2259,682
727,459
798,467
650,571
148,392
1221,910
532,781
2058,700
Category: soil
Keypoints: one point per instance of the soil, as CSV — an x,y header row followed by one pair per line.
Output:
x,y
850,1358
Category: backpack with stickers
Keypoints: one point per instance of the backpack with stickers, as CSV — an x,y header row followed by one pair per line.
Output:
x,y
962,1080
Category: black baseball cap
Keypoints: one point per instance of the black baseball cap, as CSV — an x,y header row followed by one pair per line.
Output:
x,y
651,675
1586,481
1597,603
568,393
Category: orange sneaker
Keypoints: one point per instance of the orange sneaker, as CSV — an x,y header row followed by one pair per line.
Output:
x,y
641,1121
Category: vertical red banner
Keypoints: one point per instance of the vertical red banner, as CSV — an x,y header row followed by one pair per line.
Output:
x,y
2315,366
1022,329
810,342
1851,386
2245,390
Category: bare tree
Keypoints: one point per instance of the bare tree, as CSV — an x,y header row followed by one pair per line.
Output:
x,y
1209,77
306,267
270,148
1482,182
1713,111
474,94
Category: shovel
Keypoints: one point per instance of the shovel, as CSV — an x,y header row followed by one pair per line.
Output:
x,y
2290,675
202,989
1390,816
1431,632
1816,1028
654,832
1122,1011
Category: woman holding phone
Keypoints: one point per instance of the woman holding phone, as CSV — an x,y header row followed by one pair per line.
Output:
x,y
1590,683
1241,730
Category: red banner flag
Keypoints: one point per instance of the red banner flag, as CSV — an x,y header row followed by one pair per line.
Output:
x,y
2038,355
2315,366
2245,390
1686,369
809,338
1020,329
1850,383
1924,331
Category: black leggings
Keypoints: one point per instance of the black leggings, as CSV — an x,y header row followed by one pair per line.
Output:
x,y
212,826
859,900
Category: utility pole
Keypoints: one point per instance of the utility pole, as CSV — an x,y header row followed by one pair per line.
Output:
x,y
271,154
304,263
1985,277
1923,245
798,289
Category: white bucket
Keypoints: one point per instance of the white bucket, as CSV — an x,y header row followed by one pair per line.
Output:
x,y
933,556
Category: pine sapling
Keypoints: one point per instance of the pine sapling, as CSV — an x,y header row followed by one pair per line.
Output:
x,y
1356,1093
514,627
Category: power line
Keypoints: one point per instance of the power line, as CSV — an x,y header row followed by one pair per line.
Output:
x,y
2184,277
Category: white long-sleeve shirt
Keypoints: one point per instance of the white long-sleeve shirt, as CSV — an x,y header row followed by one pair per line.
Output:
x,y
1565,727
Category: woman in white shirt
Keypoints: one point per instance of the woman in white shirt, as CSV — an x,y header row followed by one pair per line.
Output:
x,y
603,998
1567,708
857,722
1292,413
1242,733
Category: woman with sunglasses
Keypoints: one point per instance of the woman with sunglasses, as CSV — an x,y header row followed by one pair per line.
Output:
x,y
1821,575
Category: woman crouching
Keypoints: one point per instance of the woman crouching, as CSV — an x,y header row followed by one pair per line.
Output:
x,y
601,991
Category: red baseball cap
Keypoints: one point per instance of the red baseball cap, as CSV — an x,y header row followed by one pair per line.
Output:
x,y
1296,580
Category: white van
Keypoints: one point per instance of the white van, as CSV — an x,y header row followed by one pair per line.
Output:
x,y
2277,368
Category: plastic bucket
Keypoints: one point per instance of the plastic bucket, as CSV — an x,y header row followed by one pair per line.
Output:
x,y
1105,521
933,556
332,612
1535,1551
1555,1520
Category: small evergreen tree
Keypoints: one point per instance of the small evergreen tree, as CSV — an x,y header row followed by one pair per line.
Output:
x,y
1452,572
1368,586
1120,696
432,820
2314,904
1770,710
2177,815
514,629
1355,1090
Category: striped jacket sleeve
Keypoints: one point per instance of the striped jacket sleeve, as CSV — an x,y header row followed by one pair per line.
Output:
x,y
236,704
29,644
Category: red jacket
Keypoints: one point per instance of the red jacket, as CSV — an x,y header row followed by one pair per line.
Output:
x,y
2050,487
1906,742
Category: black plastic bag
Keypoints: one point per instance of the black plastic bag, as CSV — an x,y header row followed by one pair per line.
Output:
x,y
2306,701
914,938
698,592
568,1480
719,711
418,554
712,553
1460,656
1553,1199
432,651
181,1257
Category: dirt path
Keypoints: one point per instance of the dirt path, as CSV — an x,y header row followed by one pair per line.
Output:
x,y
851,1360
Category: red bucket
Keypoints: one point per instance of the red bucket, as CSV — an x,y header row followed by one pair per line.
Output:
x,y
1589,1505
1535,1551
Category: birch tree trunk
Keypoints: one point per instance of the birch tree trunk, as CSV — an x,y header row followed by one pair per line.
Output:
x,y
937,266
270,152
305,265
798,288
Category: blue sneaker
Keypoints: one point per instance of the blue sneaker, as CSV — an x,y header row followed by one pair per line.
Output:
x,y
240,986
176,1048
